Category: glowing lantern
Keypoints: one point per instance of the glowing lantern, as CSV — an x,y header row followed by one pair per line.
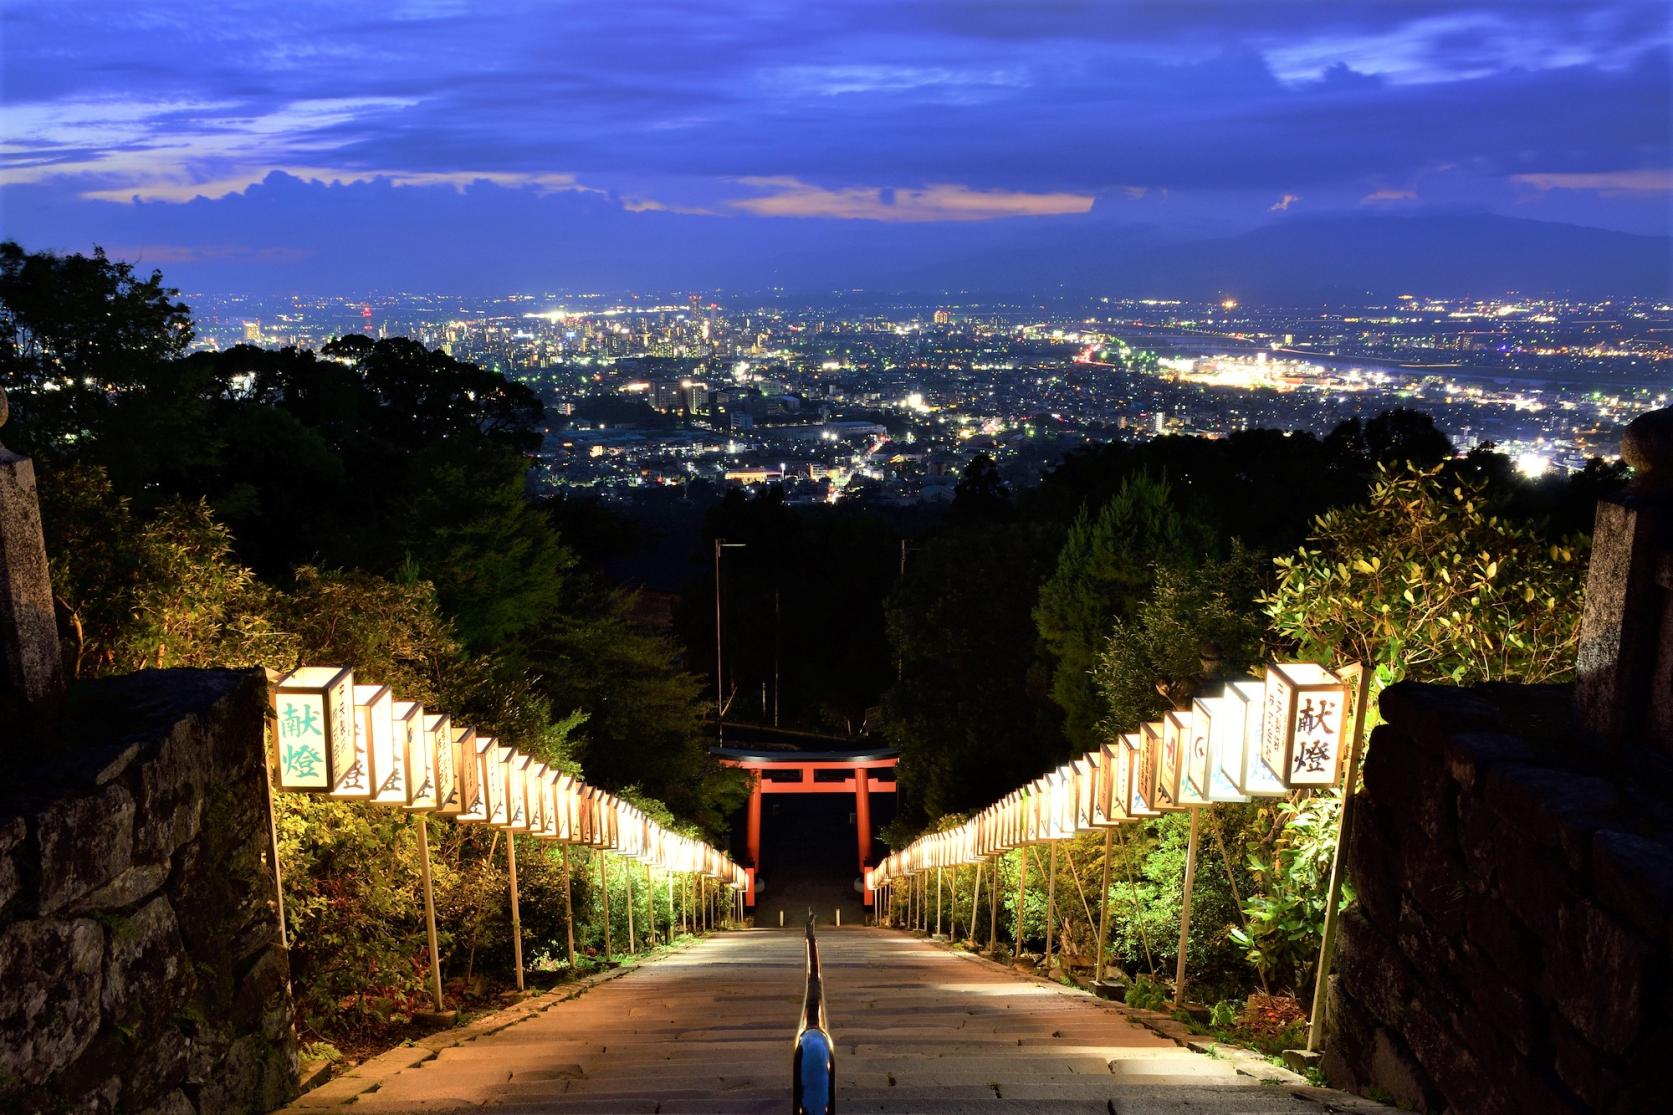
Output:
x,y
1304,724
1135,796
1086,791
374,737
314,710
473,792
1149,772
408,720
491,761
1107,811
1212,731
1241,706
441,793
516,766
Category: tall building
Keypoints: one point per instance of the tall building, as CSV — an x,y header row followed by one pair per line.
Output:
x,y
252,332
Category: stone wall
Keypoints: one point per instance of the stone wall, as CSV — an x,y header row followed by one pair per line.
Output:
x,y
140,961
1509,950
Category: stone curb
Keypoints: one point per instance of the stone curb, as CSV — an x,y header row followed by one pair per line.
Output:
x,y
1245,1062
372,1072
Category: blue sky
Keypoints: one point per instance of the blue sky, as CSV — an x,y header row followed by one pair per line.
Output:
x,y
315,145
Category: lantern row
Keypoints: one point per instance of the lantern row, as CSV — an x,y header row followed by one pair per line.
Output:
x,y
1257,738
361,743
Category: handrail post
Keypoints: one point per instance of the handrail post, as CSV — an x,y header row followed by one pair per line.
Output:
x,y
813,1057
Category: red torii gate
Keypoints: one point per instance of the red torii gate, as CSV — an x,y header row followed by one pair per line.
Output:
x,y
810,772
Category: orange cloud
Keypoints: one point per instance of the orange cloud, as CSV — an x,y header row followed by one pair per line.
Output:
x,y
1642,181
1283,203
791,197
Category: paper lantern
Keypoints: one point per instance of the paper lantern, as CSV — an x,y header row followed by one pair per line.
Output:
x,y
388,749
374,740
1086,791
517,767
1211,733
473,792
1135,784
408,719
314,716
1108,807
1304,724
1241,706
491,761
432,785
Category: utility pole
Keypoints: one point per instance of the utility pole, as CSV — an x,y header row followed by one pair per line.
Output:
x,y
720,701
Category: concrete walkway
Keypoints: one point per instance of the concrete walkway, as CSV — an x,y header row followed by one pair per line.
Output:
x,y
918,1029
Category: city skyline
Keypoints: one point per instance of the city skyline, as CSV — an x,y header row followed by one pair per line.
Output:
x,y
914,146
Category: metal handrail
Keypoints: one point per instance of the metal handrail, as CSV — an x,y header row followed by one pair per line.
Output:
x,y
813,1064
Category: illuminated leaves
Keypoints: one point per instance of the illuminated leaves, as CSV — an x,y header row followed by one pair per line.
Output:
x,y
1475,597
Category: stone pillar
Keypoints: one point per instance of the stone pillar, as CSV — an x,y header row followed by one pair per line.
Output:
x,y
31,666
1623,688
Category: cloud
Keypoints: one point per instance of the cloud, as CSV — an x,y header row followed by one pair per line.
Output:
x,y
1386,195
457,180
1282,205
1645,180
791,197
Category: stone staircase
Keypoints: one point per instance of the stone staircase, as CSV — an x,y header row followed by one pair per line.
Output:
x,y
919,1029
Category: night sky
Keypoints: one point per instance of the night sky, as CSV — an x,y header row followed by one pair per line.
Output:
x,y
477,146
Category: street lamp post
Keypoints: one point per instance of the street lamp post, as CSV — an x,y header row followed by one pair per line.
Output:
x,y
720,706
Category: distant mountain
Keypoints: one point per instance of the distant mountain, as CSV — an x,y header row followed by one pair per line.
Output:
x,y
1450,254
1303,259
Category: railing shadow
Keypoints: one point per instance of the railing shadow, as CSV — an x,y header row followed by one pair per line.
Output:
x,y
813,1064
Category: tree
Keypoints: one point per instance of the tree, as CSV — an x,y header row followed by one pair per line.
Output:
x,y
1104,570
970,713
1198,624
980,495
74,330
1427,582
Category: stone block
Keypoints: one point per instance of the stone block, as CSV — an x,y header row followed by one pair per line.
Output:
x,y
147,972
12,833
1469,755
1393,1070
86,841
49,997
1493,932
171,792
1633,877
1536,804
1371,969
1369,857
1535,884
1592,1078
139,881
1594,968
1436,712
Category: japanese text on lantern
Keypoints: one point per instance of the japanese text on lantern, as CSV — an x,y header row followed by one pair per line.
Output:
x,y
302,740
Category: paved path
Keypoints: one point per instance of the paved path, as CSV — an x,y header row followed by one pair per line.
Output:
x,y
918,1029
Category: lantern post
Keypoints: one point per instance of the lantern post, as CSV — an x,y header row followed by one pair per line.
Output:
x,y
568,910
1361,680
1185,909
604,891
430,913
1051,901
1022,898
993,909
516,916
632,942
1104,908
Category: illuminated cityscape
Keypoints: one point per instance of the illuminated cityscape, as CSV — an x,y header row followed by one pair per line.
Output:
x,y
890,397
